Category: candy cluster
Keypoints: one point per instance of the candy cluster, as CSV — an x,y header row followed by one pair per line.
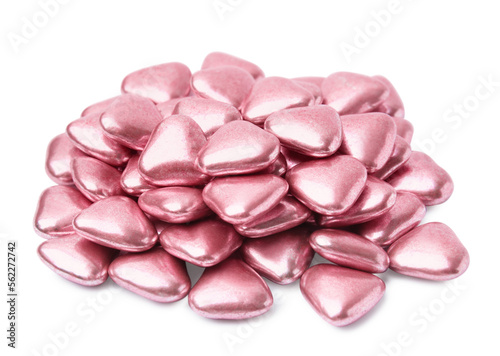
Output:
x,y
247,176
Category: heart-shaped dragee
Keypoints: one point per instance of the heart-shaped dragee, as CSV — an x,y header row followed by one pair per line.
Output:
x,y
314,89
241,200
167,108
98,108
238,147
228,84
169,156
404,128
421,176
77,259
313,130
352,93
400,155
159,83
282,257
430,251
287,214
341,295
95,179
377,198
277,168
369,138
328,186
230,290
131,181
174,204
272,94
116,222
153,274
130,119
293,158
56,209
392,104
87,134
204,243
349,250
60,152
219,59
406,213
209,114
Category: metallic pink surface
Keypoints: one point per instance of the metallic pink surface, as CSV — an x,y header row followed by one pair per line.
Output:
x,y
230,290
369,138
349,250
169,156
238,147
203,243
406,213
314,89
58,158
160,82
404,128
57,207
377,198
130,119
219,59
400,155
277,168
95,179
340,295
421,176
273,94
287,214
318,81
174,204
352,93
116,222
392,104
293,158
98,107
131,181
329,186
228,84
87,134
241,200
281,258
313,130
77,259
211,115
430,251
167,108
153,274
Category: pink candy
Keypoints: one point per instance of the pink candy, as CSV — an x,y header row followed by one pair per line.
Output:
x,y
245,176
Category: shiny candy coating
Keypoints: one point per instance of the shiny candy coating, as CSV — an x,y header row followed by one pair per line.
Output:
x,y
406,213
404,128
277,168
329,186
230,290
421,176
167,107
313,130
174,204
116,222
313,89
430,251
130,119
204,243
400,155
340,295
56,209
349,250
318,81
238,147
87,134
392,104
273,94
169,156
153,274
160,82
281,258
98,107
60,152
293,158
95,179
286,215
77,259
131,181
243,199
219,59
211,115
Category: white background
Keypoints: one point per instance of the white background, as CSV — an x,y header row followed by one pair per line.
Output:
x,y
436,53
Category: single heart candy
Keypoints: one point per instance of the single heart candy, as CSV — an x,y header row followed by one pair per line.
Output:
x,y
219,59
58,158
98,108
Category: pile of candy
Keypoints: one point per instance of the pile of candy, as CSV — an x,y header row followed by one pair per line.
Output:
x,y
247,176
